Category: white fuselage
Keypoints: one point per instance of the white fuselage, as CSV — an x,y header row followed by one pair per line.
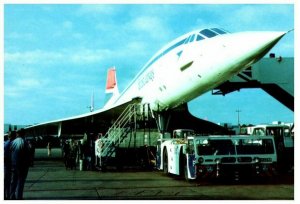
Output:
x,y
190,66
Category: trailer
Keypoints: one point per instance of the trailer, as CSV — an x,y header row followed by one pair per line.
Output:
x,y
196,157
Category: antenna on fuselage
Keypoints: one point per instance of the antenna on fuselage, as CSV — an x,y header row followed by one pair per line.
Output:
x,y
91,107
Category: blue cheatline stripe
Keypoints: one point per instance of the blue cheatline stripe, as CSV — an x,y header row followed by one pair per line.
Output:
x,y
152,61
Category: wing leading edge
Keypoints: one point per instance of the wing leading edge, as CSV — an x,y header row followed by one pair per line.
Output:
x,y
97,121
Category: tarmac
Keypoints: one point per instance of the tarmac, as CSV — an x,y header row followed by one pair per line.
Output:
x,y
48,179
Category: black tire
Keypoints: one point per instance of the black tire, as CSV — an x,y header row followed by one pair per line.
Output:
x,y
165,160
186,176
182,164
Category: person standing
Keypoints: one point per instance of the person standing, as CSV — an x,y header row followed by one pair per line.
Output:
x,y
79,152
20,160
66,152
49,147
31,146
73,154
87,155
7,164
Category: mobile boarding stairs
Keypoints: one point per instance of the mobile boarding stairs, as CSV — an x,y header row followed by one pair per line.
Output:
x,y
106,147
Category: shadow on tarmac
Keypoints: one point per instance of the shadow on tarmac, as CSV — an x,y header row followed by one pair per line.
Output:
x,y
49,180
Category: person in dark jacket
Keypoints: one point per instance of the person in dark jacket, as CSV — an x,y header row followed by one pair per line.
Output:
x,y
20,160
66,153
7,164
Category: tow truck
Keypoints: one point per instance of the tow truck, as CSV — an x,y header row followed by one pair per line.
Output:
x,y
216,156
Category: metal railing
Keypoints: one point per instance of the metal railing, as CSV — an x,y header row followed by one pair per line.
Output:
x,y
119,130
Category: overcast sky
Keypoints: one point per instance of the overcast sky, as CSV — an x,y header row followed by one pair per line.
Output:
x,y
57,55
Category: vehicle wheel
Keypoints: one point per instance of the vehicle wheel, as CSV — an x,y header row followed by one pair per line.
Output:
x,y
186,176
182,164
165,165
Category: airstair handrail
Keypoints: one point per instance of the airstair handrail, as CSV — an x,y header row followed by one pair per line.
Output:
x,y
119,130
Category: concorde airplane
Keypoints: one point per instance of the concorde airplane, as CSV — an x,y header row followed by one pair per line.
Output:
x,y
182,70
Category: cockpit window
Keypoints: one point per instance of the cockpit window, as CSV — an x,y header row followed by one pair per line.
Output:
x,y
217,30
199,37
208,33
192,38
187,40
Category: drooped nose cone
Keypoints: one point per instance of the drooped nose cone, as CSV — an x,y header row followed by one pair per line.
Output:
x,y
263,42
245,48
255,44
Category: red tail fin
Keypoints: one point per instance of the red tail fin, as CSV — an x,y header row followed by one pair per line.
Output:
x,y
112,91
111,81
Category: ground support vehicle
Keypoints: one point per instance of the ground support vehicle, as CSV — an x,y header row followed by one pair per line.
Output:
x,y
284,143
196,157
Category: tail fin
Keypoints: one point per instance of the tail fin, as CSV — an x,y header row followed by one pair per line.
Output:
x,y
111,90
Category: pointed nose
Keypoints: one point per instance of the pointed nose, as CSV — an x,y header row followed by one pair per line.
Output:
x,y
263,42
245,48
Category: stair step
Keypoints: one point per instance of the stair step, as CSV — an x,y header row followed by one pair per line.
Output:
x,y
119,131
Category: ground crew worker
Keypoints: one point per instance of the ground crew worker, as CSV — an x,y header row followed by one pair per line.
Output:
x,y
7,164
19,165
